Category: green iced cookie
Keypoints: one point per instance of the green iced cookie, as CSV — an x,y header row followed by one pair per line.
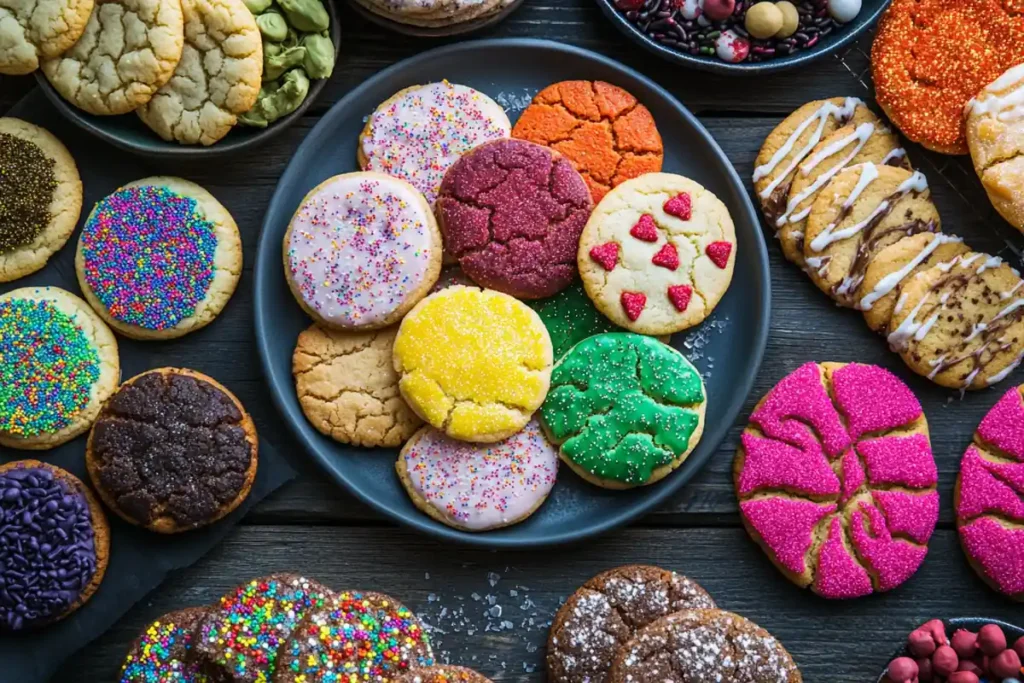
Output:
x,y
571,317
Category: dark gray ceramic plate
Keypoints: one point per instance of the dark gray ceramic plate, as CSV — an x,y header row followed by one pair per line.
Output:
x,y
512,71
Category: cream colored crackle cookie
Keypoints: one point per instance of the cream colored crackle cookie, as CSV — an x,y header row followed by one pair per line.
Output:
x,y
657,254
159,258
217,78
130,48
58,366
861,211
348,388
40,197
31,30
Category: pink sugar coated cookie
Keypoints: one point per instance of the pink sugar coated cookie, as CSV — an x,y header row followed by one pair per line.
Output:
x,y
989,496
836,479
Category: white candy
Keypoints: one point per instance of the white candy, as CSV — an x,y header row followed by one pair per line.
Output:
x,y
731,47
691,8
844,11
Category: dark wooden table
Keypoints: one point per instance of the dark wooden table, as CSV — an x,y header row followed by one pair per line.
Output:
x,y
314,527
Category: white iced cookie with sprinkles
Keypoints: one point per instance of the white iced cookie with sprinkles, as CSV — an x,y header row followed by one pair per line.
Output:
x,y
419,132
361,250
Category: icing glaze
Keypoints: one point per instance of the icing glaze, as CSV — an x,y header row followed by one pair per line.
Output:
x,y
853,477
839,576
772,464
892,280
982,492
899,460
999,550
786,526
914,515
893,561
1003,425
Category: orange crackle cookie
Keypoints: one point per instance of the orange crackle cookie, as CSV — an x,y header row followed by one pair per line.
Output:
x,y
602,129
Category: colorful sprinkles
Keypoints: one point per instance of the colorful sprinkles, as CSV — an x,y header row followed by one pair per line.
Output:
x,y
161,653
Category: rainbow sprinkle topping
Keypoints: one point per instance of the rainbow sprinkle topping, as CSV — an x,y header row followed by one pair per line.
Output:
x,y
160,656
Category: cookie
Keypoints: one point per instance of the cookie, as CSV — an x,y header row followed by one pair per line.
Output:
x,y
217,78
571,317
354,637
898,263
861,211
602,129
995,136
989,497
401,140
441,673
473,363
836,479
607,611
440,15
55,545
931,56
961,323
348,388
32,31
511,213
477,487
159,258
40,197
703,645
657,254
162,652
129,49
361,250
58,366
624,409
242,638
172,451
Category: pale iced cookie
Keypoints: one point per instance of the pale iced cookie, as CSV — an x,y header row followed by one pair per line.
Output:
x,y
848,146
836,479
58,366
657,254
217,78
625,409
130,48
361,250
897,263
473,363
961,323
348,388
454,13
861,211
40,197
159,258
995,136
419,132
31,30
477,487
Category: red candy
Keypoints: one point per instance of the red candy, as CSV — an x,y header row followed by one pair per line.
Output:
x,y
680,206
667,257
902,670
963,677
924,669
629,5
645,229
991,640
633,303
920,643
965,643
938,631
607,254
719,252
970,666
945,661
1018,647
680,296
719,10
1006,664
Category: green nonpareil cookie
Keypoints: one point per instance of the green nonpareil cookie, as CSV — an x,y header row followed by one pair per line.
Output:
x,y
625,409
571,317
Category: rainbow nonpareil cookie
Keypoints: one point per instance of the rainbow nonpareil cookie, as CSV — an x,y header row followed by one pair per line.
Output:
x,y
477,487
162,652
419,132
361,250
159,258
473,363
442,673
625,409
989,497
836,479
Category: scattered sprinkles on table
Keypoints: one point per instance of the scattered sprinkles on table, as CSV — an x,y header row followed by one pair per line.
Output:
x,y
27,184
161,653
149,256
48,367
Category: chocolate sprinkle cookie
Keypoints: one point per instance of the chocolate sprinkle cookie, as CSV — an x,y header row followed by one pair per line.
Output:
x,y
173,450
605,613
28,183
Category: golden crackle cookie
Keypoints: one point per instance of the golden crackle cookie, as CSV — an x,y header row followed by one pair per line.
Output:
x,y
995,136
861,211
961,323
40,197
473,363
348,388
130,48
159,258
31,30
217,78
657,254
58,366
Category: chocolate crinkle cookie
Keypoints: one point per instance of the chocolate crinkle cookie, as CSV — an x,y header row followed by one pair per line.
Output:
x,y
173,450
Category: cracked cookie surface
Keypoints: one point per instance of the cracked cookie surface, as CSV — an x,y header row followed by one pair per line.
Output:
x,y
347,386
129,49
31,30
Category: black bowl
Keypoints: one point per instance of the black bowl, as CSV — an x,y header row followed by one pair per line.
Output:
x,y
460,29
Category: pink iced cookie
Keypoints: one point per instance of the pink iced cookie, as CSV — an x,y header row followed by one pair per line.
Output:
x,y
836,479
989,497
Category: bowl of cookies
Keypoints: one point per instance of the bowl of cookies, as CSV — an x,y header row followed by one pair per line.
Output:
x,y
193,77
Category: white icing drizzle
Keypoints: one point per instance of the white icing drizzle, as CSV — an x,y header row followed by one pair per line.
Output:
x,y
968,260
820,263
899,303
1008,107
908,328
897,153
1006,295
928,325
970,377
990,262
978,329
890,281
868,174
1005,372
936,366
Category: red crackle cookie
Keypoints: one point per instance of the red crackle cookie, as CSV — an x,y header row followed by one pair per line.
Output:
x,y
836,479
989,497
657,254
511,213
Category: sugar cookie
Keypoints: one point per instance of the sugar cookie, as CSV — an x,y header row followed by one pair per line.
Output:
x,y
162,652
31,31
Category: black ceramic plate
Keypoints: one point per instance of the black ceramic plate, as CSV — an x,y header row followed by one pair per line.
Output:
x,y
842,35
459,29
512,71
